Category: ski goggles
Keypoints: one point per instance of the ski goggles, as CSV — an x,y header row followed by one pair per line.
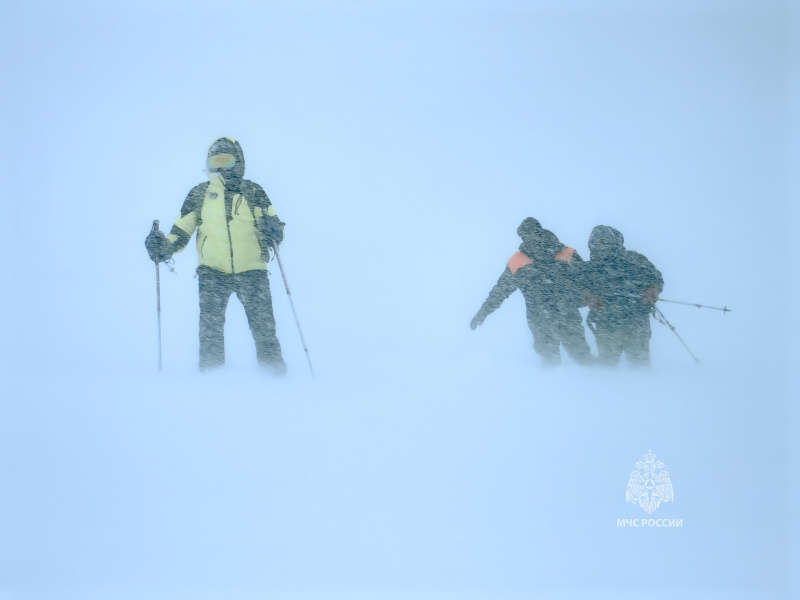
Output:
x,y
221,162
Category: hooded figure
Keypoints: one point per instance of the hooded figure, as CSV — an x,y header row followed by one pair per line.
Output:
x,y
236,226
620,287
543,270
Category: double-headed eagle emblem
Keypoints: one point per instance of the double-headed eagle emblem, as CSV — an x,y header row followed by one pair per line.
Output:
x,y
650,485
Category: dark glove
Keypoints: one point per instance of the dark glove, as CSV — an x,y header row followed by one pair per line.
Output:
x,y
478,319
650,295
158,246
594,303
270,229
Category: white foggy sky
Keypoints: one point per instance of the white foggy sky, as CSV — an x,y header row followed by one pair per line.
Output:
x,y
402,143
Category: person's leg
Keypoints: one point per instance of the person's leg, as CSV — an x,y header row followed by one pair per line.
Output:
x,y
607,336
253,292
545,337
215,289
573,336
637,343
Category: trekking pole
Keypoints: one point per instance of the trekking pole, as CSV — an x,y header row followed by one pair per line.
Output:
x,y
724,309
294,312
158,300
659,316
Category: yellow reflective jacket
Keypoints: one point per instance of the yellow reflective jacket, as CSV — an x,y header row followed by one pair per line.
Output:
x,y
225,221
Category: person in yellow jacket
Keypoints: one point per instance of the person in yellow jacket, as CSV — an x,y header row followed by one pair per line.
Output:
x,y
236,226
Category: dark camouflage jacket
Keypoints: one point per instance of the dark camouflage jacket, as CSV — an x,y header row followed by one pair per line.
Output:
x,y
619,281
543,271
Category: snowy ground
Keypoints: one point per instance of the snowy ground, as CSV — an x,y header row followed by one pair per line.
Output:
x,y
449,467
402,144
484,480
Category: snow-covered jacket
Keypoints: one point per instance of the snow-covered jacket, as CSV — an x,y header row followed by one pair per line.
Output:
x,y
619,281
225,215
618,278
543,274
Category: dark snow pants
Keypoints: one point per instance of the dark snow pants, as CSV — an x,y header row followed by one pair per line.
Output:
x,y
553,326
614,336
252,289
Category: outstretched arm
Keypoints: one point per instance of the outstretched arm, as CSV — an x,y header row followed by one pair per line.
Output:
x,y
505,286
161,247
187,222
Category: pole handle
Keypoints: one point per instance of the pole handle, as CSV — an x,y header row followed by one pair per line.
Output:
x,y
155,225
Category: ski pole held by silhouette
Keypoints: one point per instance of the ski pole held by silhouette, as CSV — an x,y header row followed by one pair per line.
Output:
x,y
659,316
724,309
294,312
158,300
